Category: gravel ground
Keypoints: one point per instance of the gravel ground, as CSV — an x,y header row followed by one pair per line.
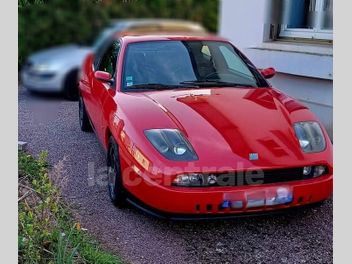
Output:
x,y
51,123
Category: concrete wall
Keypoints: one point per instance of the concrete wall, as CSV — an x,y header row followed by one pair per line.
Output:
x,y
304,69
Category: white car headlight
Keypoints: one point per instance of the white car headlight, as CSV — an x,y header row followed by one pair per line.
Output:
x,y
41,68
171,144
310,136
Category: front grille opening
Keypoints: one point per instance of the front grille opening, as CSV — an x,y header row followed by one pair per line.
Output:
x,y
245,178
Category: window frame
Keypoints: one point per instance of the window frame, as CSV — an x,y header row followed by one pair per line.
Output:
x,y
305,33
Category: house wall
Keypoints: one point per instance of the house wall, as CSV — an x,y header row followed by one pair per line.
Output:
x,y
304,69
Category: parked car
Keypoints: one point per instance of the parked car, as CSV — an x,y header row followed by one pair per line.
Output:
x,y
56,69
193,130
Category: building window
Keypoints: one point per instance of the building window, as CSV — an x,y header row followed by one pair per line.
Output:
x,y
307,19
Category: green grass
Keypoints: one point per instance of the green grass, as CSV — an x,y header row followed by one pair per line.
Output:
x,y
47,232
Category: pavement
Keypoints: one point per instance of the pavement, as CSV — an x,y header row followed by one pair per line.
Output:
x,y
77,164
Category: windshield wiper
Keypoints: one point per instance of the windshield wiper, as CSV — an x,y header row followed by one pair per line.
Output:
x,y
158,86
184,84
217,83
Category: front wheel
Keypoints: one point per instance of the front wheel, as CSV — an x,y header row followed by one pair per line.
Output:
x,y
117,191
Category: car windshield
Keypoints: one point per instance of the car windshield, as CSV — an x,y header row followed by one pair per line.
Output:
x,y
173,63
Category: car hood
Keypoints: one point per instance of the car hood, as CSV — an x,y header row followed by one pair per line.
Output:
x,y
226,125
60,55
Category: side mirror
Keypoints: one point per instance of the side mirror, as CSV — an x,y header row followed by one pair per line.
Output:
x,y
103,76
268,72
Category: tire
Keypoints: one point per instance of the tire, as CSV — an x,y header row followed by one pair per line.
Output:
x,y
71,86
84,122
117,191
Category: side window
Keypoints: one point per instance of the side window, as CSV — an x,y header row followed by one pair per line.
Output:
x,y
108,61
234,62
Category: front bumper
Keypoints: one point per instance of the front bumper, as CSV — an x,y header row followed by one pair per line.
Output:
x,y
40,84
181,202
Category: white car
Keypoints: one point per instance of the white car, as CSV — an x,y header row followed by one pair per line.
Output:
x,y
55,70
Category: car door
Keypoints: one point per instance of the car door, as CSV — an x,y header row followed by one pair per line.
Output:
x,y
101,90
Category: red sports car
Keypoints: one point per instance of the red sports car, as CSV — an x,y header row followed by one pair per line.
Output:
x,y
192,129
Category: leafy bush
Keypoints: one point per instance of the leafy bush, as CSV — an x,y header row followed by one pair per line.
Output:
x,y
46,23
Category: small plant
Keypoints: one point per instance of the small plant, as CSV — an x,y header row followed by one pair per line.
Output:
x,y
46,231
64,253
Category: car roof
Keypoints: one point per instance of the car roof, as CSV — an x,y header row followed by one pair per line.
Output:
x,y
160,24
130,38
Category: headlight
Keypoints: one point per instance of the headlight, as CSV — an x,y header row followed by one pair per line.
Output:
x,y
40,68
310,136
314,171
188,180
195,180
171,144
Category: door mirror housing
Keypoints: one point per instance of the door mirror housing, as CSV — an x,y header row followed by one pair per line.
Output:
x,y
267,72
103,76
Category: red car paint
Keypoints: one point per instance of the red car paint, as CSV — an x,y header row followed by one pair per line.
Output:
x,y
223,125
